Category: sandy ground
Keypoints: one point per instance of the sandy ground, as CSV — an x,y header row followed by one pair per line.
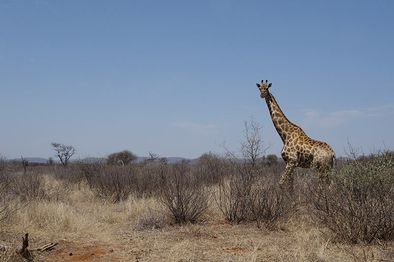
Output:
x,y
220,241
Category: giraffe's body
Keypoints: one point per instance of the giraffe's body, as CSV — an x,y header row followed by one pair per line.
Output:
x,y
299,150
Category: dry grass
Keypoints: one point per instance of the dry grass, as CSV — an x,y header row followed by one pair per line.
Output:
x,y
87,228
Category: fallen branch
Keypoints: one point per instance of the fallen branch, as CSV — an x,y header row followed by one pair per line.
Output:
x,y
46,247
25,251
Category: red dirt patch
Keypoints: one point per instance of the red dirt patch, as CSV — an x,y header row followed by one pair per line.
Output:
x,y
237,248
67,251
224,224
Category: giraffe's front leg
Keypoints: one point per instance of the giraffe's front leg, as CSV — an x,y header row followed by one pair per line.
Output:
x,y
287,179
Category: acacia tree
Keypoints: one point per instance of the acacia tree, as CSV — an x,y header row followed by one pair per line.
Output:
x,y
124,157
64,153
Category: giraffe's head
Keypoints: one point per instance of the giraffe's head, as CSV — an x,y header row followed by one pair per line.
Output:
x,y
264,88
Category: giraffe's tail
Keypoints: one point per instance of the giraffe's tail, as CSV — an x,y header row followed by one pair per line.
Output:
x,y
333,160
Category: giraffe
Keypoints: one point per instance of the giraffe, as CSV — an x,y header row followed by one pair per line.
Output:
x,y
299,150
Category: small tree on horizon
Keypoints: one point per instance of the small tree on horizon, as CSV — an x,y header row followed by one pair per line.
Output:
x,y
50,161
25,164
64,153
124,157
270,160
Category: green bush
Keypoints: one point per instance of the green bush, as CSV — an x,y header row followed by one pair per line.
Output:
x,y
359,203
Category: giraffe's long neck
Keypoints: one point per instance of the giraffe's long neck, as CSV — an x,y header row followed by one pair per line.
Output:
x,y
283,125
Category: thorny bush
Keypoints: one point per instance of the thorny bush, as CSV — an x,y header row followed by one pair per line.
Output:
x,y
358,205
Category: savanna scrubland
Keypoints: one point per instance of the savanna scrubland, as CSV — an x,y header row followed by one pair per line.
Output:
x,y
225,207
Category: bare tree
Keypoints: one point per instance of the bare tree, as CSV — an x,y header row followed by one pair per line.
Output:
x,y
64,153
50,161
25,164
234,194
252,147
247,192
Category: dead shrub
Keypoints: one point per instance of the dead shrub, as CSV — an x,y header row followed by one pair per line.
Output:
x,y
113,183
150,171
9,199
247,197
118,182
7,203
250,191
268,203
71,174
211,168
233,196
27,186
184,198
153,219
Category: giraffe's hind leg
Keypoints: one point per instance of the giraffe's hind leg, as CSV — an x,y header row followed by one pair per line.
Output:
x,y
287,180
324,168
326,178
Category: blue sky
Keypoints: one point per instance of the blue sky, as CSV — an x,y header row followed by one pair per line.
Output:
x,y
177,78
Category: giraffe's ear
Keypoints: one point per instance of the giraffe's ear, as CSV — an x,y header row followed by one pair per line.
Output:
x,y
258,85
269,85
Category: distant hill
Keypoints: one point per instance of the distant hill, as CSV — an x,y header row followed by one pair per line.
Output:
x,y
40,160
171,160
